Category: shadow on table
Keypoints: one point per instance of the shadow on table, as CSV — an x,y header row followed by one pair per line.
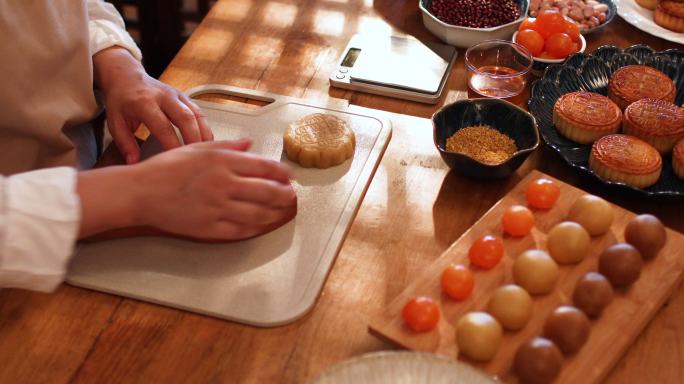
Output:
x,y
462,201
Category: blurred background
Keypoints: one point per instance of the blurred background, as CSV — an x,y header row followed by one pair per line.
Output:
x,y
160,27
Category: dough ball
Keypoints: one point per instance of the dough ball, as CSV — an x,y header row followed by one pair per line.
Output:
x,y
478,335
647,234
568,327
511,306
535,271
593,213
592,294
620,264
319,140
538,361
568,242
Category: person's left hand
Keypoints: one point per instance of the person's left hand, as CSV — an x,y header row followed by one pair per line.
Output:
x,y
132,98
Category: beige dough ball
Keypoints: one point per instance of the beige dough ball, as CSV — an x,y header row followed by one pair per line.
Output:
x,y
568,242
535,271
593,213
478,335
511,306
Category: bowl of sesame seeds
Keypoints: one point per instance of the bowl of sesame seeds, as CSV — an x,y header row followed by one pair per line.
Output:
x,y
484,138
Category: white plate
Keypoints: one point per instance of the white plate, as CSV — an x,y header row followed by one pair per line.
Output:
x,y
402,367
642,18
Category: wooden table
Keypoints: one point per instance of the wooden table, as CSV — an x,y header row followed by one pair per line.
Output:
x,y
413,210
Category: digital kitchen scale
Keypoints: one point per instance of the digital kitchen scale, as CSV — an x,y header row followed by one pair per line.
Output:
x,y
401,67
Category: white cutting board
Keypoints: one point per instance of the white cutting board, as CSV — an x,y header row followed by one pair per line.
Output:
x,y
266,281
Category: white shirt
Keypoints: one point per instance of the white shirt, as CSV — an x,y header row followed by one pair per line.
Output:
x,y
40,210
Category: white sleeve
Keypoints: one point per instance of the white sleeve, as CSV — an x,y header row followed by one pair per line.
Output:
x,y
107,29
39,219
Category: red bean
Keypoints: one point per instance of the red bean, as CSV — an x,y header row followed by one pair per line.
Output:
x,y
475,13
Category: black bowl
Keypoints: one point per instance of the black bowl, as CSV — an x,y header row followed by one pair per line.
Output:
x,y
505,117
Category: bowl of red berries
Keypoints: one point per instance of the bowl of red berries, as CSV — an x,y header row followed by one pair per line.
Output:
x,y
550,37
464,23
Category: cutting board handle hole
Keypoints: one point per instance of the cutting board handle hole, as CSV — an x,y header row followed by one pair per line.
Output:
x,y
223,98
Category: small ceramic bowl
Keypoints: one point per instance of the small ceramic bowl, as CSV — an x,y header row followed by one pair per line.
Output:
x,y
540,64
465,37
507,118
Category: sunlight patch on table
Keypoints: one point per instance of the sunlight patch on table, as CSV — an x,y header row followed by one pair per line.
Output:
x,y
279,15
234,10
374,26
214,45
328,22
256,49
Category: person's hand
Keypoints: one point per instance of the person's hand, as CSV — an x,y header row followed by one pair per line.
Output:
x,y
132,97
210,190
216,191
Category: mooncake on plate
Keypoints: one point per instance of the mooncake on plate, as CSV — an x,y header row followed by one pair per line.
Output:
x,y
669,14
635,82
626,159
585,117
658,122
678,159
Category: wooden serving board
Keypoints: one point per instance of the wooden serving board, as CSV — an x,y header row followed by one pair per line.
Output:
x,y
611,334
268,280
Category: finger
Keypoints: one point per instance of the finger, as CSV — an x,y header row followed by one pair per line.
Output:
x,y
249,165
182,117
229,230
263,191
251,214
160,126
123,137
241,145
205,131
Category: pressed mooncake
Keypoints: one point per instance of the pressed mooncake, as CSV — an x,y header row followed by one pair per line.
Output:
x,y
658,122
626,159
635,82
319,141
585,117
678,159
669,14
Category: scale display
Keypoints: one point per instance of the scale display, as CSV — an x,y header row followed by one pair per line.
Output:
x,y
350,57
400,67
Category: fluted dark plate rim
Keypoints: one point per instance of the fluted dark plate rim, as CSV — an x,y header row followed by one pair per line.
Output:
x,y
583,71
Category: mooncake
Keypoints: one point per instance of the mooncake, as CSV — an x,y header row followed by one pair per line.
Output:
x,y
319,141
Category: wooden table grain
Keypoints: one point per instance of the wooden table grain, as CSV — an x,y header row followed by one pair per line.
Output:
x,y
413,210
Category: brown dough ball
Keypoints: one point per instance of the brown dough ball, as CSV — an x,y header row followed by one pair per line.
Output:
x,y
593,213
592,294
647,234
511,306
568,327
621,264
568,242
478,335
539,361
535,271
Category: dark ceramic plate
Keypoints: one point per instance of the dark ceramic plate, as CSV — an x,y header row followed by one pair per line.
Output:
x,y
501,115
583,72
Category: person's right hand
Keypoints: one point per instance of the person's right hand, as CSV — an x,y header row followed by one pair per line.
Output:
x,y
214,190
